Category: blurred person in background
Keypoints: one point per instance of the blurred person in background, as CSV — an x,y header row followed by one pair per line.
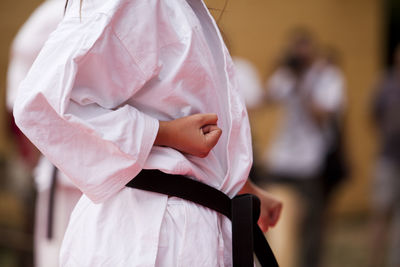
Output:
x,y
247,77
312,90
249,82
56,196
386,186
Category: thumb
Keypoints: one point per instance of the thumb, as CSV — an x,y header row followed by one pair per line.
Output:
x,y
212,134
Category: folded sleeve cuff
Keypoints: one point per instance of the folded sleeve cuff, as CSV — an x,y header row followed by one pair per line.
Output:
x,y
114,185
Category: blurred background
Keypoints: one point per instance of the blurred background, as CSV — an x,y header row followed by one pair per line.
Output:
x,y
300,48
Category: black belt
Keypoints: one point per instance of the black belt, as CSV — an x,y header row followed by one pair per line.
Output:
x,y
50,207
242,210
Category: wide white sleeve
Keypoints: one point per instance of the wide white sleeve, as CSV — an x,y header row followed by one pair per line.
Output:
x,y
71,106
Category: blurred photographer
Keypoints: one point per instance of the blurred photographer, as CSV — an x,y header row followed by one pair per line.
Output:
x,y
311,89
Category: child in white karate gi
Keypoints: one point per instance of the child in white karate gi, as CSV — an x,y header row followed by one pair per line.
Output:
x,y
122,86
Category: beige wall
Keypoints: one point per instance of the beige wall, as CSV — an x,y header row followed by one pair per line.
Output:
x,y
258,29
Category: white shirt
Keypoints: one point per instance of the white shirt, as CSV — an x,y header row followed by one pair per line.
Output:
x,y
24,50
91,103
299,149
249,83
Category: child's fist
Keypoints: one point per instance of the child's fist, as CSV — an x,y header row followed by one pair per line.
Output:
x,y
195,134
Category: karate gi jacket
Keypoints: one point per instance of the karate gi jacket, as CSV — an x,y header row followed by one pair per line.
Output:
x,y
92,103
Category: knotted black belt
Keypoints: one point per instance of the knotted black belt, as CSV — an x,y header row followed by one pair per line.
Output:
x,y
242,210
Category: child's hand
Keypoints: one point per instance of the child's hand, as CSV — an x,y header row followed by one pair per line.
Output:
x,y
196,134
270,210
270,206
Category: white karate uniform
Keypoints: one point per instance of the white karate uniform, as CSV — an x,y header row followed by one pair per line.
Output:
x,y
91,103
25,48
